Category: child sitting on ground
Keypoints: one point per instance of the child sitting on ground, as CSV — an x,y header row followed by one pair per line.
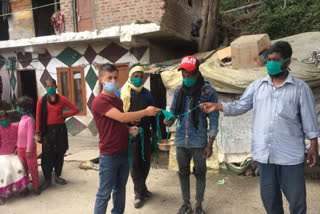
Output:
x,y
27,150
12,174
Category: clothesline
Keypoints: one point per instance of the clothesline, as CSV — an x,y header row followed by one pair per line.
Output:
x,y
34,8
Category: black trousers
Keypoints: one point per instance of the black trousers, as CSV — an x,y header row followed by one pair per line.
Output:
x,y
140,168
55,145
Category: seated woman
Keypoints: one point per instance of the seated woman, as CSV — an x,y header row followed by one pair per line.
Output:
x,y
13,177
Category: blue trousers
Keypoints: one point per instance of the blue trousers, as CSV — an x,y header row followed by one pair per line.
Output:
x,y
290,180
113,176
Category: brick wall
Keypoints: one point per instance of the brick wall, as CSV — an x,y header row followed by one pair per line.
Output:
x,y
179,15
21,24
66,7
174,15
19,5
123,12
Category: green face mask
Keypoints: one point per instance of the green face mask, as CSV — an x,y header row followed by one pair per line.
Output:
x,y
51,91
4,123
189,82
137,82
274,67
21,111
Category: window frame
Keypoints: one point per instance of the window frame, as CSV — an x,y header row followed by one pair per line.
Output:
x,y
70,71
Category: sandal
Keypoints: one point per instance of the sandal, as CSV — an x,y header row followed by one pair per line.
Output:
x,y
61,181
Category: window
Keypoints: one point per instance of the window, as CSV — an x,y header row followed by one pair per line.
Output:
x,y
71,84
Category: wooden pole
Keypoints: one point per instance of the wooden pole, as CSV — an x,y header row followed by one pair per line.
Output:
x,y
208,32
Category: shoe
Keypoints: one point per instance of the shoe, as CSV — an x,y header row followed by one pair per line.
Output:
x,y
199,210
185,209
138,203
36,191
45,186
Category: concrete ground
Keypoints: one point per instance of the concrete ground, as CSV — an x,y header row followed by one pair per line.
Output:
x,y
239,195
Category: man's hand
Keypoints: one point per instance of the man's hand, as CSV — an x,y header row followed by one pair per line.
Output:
x,y
211,107
165,122
134,130
37,137
207,152
29,155
313,155
151,111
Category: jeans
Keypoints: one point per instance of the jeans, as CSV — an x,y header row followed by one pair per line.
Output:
x,y
113,176
289,179
184,156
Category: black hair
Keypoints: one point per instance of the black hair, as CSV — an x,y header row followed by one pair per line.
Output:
x,y
3,113
282,47
107,67
50,79
26,103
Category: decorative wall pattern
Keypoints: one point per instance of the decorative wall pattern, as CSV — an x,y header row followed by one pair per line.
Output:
x,y
78,55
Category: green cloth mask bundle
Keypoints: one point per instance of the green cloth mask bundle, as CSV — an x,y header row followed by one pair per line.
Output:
x,y
274,67
137,82
51,91
4,123
189,82
168,115
141,132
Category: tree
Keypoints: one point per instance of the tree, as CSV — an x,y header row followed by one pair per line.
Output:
x,y
208,34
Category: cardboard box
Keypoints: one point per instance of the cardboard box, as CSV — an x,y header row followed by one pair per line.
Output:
x,y
224,53
246,49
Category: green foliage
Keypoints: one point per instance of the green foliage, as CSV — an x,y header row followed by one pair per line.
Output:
x,y
298,16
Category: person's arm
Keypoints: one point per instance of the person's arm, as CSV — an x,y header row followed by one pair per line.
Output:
x,y
213,125
126,117
73,109
241,106
30,137
38,115
309,123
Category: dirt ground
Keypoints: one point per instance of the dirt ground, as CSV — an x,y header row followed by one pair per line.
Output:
x,y
239,195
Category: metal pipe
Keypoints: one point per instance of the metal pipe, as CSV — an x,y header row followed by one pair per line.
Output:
x,y
75,26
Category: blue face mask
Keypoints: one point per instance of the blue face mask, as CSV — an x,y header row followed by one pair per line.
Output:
x,y
4,123
111,87
274,67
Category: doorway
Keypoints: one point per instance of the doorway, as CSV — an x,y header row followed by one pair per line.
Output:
x,y
84,15
27,85
42,16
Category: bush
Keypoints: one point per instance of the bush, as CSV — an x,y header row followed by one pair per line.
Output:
x,y
271,17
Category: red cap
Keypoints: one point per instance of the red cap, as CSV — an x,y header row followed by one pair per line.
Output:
x,y
188,63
